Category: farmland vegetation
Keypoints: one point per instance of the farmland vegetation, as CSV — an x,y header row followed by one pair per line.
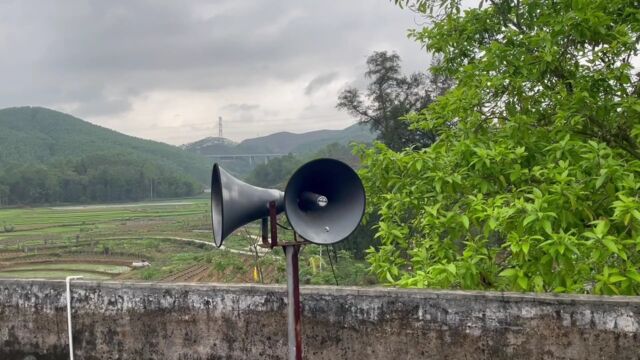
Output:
x,y
51,158
102,242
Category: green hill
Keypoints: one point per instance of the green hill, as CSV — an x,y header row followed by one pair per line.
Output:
x,y
282,142
211,146
304,145
49,157
34,135
309,142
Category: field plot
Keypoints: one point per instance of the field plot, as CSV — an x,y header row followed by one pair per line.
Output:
x,y
104,241
60,270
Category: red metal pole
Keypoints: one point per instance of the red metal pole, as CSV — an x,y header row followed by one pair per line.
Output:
x,y
274,223
264,231
294,320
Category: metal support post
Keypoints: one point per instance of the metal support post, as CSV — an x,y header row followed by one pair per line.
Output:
x,y
264,231
273,219
293,306
69,278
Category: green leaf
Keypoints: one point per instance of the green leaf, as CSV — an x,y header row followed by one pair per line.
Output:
x,y
529,219
634,276
602,228
451,268
537,192
509,273
523,282
616,278
389,278
610,245
465,221
538,283
601,180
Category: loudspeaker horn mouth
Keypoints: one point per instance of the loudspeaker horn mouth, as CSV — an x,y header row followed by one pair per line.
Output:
x,y
235,203
324,201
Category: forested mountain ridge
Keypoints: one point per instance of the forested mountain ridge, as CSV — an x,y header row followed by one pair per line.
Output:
x,y
211,146
47,156
283,142
35,135
51,157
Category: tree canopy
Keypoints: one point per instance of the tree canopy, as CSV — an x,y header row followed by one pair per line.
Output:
x,y
103,177
277,171
533,182
389,96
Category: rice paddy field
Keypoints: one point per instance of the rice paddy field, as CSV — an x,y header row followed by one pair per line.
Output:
x,y
104,241
111,241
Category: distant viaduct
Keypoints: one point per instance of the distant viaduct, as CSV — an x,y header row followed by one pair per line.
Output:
x,y
252,157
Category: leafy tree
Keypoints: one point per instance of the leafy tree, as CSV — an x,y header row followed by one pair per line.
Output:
x,y
390,96
4,194
275,172
94,178
533,183
339,152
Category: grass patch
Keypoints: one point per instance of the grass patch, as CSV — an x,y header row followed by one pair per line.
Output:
x,y
105,268
52,275
149,231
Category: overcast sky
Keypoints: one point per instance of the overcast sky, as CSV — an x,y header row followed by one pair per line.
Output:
x,y
165,70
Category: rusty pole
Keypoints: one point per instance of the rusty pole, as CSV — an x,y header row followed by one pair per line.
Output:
x,y
294,321
273,219
292,252
264,231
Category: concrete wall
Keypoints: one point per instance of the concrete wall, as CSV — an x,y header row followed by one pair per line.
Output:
x,y
182,321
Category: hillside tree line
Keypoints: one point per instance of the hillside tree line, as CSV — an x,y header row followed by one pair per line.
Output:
x,y
111,177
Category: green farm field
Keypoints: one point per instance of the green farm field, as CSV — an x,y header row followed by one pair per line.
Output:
x,y
103,242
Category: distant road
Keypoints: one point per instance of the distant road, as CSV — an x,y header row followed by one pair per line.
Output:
x,y
242,252
231,156
252,157
89,207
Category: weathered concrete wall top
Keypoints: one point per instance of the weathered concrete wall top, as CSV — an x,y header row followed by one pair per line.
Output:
x,y
184,321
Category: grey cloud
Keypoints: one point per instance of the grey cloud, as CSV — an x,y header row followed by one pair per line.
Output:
x,y
102,54
240,107
103,107
242,113
319,82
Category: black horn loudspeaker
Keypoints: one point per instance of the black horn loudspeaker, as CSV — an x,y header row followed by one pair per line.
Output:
x,y
324,201
235,203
